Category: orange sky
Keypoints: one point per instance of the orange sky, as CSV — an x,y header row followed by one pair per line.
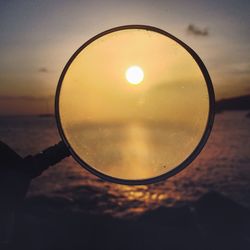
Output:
x,y
38,37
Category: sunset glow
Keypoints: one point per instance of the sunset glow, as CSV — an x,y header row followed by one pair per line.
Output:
x,y
35,49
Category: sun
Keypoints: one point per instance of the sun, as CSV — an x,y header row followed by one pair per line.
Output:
x,y
134,75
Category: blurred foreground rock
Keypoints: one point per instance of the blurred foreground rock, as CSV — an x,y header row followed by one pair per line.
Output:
x,y
212,222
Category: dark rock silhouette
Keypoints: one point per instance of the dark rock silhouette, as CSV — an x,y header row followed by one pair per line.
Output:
x,y
213,222
236,103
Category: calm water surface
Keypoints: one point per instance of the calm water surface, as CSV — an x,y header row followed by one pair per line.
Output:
x,y
223,166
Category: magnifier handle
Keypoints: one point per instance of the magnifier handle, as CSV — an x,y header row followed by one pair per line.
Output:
x,y
35,165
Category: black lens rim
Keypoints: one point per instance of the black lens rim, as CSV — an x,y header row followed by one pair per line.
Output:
x,y
195,152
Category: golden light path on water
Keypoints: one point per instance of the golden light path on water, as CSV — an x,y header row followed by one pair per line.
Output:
x,y
223,166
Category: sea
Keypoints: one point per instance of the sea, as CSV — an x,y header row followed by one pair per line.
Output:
x,y
222,166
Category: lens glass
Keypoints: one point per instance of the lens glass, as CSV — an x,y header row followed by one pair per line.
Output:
x,y
133,104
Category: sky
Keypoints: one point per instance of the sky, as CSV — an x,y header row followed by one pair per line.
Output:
x,y
38,37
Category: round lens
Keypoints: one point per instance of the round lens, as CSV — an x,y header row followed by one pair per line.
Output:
x,y
134,105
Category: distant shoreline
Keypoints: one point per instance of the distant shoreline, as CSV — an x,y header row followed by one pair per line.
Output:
x,y
241,103
46,115
230,104
236,104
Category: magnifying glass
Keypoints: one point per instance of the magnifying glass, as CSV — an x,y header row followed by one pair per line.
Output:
x,y
134,105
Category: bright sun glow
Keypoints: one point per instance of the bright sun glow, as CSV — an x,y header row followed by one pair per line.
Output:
x,y
134,75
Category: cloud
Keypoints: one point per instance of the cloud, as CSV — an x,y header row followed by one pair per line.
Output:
x,y
196,31
43,70
24,98
26,105
242,68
